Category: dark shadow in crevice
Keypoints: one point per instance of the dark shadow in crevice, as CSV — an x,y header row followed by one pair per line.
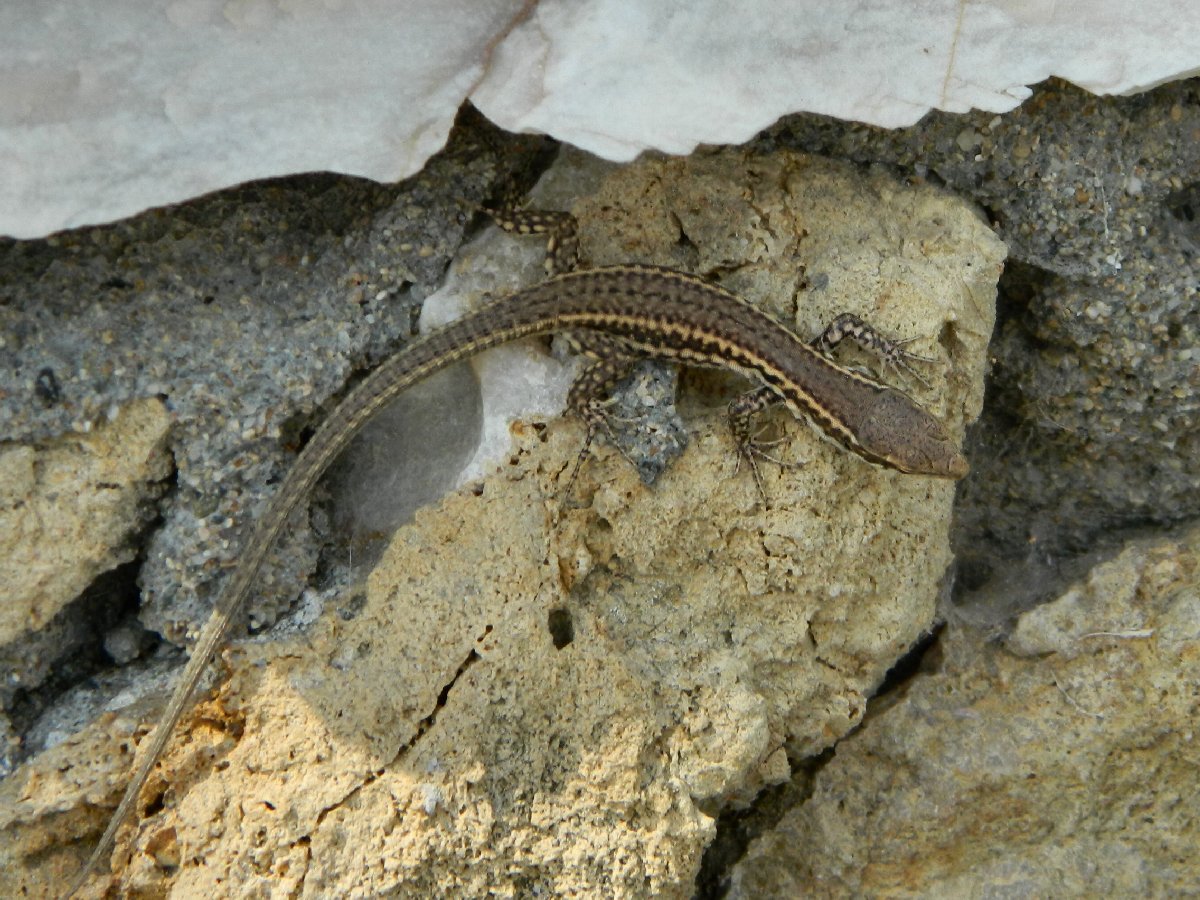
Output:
x,y
736,829
77,634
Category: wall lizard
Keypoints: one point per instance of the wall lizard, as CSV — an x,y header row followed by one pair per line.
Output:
x,y
617,314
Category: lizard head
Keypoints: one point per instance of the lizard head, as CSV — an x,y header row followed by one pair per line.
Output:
x,y
900,434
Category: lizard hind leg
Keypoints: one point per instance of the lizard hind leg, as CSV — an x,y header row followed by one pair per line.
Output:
x,y
589,396
742,411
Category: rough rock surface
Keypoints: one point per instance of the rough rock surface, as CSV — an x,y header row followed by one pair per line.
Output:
x,y
1060,763
1091,423
539,695
71,509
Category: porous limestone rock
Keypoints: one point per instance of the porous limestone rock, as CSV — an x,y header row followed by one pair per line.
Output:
x,y
1060,763
70,509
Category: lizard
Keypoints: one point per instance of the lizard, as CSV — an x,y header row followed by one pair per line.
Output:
x,y
616,315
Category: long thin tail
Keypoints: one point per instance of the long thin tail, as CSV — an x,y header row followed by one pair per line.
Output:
x,y
458,340
148,754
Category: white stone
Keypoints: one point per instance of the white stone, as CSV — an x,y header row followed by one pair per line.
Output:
x,y
106,110
453,427
711,73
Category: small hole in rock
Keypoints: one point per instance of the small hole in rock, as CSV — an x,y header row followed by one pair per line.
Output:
x,y
562,627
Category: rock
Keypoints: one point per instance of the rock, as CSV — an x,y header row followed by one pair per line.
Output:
x,y
1060,763
71,508
103,116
